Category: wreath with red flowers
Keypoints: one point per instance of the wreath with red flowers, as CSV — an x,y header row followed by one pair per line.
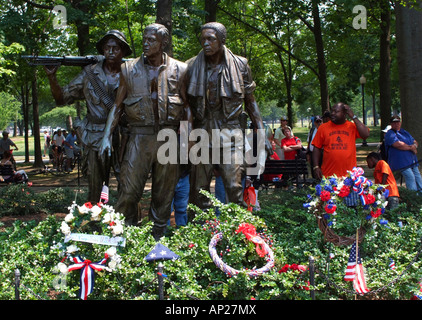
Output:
x,y
328,204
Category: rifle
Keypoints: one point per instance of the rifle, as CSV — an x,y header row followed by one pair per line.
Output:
x,y
61,61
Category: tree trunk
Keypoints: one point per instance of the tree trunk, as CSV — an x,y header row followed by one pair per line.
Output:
x,y
164,11
38,163
25,107
409,54
211,10
322,67
385,65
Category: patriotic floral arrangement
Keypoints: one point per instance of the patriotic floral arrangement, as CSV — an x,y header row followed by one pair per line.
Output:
x,y
90,220
328,201
261,247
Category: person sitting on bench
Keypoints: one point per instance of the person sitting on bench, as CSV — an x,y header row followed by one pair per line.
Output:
x,y
14,176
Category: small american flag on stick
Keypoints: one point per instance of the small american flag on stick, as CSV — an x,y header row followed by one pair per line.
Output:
x,y
354,271
104,194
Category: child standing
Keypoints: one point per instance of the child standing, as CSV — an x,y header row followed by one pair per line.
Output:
x,y
383,175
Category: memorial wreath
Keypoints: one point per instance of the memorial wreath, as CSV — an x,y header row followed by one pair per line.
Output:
x,y
262,249
328,206
93,227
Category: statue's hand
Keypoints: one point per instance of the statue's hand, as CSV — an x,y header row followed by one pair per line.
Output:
x,y
268,147
51,70
105,148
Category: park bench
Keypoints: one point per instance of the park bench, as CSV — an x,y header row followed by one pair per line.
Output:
x,y
293,171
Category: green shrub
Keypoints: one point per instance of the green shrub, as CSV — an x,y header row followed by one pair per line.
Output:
x,y
18,199
283,222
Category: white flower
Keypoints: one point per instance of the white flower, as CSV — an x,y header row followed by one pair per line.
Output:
x,y
96,211
72,248
112,264
111,251
62,268
107,218
69,218
117,229
83,209
65,229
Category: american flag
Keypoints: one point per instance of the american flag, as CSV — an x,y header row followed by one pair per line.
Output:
x,y
392,265
354,272
104,194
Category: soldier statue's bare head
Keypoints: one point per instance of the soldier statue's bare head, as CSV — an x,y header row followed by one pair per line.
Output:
x,y
219,28
160,30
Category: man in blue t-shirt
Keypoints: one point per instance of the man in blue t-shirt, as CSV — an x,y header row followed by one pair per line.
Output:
x,y
402,148
70,149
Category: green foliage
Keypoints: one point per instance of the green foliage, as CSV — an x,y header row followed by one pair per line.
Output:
x,y
9,108
283,222
57,116
18,199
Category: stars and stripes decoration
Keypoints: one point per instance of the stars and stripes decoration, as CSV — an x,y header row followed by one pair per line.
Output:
x,y
392,264
104,194
354,271
161,252
88,269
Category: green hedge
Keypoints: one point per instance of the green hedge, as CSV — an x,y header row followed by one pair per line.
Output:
x,y
283,222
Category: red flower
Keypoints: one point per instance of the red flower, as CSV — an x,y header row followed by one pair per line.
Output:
x,y
285,268
330,208
191,245
88,205
325,195
369,198
344,191
377,213
294,266
302,268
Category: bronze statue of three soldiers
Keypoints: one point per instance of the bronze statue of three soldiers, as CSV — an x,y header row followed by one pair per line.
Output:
x,y
155,92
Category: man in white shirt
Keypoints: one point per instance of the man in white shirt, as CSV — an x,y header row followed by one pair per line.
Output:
x,y
278,136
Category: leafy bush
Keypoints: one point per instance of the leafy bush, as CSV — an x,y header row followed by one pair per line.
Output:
x,y
283,222
18,199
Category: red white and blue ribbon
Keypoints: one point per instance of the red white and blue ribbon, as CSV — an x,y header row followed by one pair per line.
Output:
x,y
88,269
359,183
392,265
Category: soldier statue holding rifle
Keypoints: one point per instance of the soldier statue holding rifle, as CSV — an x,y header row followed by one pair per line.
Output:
x,y
97,84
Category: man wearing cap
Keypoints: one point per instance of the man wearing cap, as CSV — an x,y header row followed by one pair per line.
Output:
x,y
278,136
219,83
150,95
5,144
97,84
402,149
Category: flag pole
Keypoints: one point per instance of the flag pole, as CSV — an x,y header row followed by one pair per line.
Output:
x,y
357,253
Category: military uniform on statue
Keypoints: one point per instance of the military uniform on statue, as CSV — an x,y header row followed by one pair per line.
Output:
x,y
149,94
97,84
219,83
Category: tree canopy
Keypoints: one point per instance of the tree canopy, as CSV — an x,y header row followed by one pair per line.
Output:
x,y
304,55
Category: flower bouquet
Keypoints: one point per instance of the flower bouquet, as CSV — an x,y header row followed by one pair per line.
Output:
x,y
333,215
87,229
